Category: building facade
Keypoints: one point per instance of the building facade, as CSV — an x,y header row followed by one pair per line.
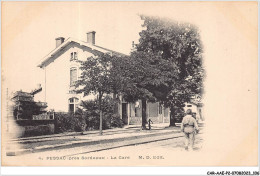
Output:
x,y
196,108
61,70
131,113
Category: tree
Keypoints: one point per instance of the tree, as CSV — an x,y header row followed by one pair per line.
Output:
x,y
172,72
96,78
26,109
139,74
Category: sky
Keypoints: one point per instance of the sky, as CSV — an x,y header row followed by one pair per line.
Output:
x,y
30,29
228,31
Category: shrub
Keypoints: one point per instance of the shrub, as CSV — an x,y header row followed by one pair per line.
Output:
x,y
179,114
66,122
88,117
90,113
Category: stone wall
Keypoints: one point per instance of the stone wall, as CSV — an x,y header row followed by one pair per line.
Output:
x,y
35,127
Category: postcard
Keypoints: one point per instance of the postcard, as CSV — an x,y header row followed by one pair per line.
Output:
x,y
129,83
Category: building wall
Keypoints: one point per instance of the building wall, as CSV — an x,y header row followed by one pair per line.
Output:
x,y
57,81
157,113
153,112
166,115
135,115
195,109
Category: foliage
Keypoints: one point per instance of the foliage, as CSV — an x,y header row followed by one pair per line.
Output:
x,y
179,114
134,75
26,109
65,122
166,67
175,50
98,77
90,112
167,63
114,121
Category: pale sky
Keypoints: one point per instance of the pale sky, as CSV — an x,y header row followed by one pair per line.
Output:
x,y
30,29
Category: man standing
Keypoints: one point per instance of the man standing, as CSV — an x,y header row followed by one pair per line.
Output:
x,y
149,123
189,126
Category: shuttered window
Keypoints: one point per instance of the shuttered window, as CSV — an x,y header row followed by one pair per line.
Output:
x,y
73,76
73,56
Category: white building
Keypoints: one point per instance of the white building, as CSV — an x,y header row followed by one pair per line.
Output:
x,y
61,71
196,108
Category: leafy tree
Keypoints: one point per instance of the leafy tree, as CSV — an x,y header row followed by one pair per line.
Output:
x,y
26,109
98,77
166,67
137,75
168,63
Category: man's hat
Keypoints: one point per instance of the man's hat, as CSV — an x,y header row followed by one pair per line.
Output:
x,y
189,112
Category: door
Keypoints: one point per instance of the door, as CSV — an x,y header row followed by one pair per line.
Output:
x,y
71,107
124,113
160,113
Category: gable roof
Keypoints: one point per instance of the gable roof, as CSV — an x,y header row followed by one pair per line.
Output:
x,y
65,45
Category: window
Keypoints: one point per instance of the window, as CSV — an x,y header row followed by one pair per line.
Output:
x,y
73,56
73,104
137,109
189,105
73,76
136,112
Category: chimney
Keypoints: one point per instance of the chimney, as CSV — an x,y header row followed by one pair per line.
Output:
x,y
59,41
133,44
91,37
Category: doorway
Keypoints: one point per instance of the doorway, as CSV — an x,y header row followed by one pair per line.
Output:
x,y
124,113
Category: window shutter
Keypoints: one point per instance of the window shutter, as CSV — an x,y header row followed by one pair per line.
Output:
x,y
73,76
